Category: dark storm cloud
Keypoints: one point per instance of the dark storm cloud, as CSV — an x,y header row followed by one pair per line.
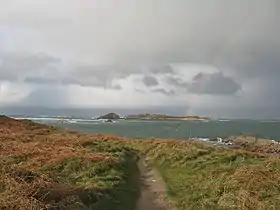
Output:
x,y
176,82
220,33
239,37
149,81
213,84
96,75
104,75
108,72
42,69
15,66
254,62
205,84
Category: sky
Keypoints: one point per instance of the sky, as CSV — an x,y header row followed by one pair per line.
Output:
x,y
215,58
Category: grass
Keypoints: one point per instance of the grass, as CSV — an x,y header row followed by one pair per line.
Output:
x,y
117,182
43,167
199,176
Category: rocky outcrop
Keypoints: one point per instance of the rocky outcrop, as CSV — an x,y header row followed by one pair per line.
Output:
x,y
110,116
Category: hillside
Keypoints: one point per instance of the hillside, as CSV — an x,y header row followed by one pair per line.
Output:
x,y
44,167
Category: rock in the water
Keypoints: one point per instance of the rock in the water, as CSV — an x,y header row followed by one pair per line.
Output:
x,y
110,116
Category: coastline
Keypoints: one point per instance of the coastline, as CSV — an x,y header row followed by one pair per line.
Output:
x,y
169,119
148,116
45,166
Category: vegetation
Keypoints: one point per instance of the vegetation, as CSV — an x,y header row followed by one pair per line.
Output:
x,y
199,176
164,117
43,167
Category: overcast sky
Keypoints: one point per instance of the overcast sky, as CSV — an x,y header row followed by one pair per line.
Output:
x,y
212,57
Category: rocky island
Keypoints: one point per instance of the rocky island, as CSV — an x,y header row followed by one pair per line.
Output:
x,y
109,116
148,116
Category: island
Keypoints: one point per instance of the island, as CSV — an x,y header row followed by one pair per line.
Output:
x,y
148,116
109,116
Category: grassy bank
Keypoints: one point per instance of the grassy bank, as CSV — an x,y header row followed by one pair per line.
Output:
x,y
47,168
44,167
199,176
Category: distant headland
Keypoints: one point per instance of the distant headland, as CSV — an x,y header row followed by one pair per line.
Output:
x,y
147,116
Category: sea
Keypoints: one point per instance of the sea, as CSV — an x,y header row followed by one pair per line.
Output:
x,y
83,120
269,129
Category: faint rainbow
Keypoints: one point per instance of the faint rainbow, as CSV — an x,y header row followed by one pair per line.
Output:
x,y
228,44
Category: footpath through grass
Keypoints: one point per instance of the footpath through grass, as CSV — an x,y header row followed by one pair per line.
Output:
x,y
44,167
199,176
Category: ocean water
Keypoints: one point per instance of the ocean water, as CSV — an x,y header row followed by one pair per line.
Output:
x,y
171,129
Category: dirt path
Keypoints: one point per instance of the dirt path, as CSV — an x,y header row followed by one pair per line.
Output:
x,y
152,189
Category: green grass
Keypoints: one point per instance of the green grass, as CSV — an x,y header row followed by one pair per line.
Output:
x,y
198,176
105,185
42,167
